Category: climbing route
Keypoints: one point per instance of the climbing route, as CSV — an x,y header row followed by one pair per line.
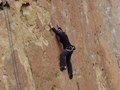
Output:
x,y
5,9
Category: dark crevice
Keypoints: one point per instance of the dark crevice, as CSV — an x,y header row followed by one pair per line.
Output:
x,y
4,5
1,5
23,7
54,87
102,69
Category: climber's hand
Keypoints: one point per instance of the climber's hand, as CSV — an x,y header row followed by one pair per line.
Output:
x,y
58,25
51,26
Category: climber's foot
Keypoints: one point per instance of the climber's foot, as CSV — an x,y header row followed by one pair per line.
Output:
x,y
70,76
63,68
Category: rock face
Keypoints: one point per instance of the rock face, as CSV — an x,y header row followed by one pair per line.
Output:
x,y
92,26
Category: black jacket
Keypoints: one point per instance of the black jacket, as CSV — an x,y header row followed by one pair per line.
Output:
x,y
63,38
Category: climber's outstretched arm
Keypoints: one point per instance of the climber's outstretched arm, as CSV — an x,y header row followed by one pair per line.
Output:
x,y
54,30
58,26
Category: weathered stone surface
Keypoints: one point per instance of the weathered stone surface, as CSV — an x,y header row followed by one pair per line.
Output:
x,y
92,26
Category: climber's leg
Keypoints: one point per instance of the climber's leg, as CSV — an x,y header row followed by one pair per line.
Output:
x,y
69,65
63,55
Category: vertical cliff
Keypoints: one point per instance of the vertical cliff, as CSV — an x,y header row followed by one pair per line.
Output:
x,y
92,26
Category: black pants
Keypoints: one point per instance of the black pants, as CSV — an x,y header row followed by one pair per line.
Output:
x,y
65,57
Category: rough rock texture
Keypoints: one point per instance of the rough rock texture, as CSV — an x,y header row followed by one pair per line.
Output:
x,y
92,26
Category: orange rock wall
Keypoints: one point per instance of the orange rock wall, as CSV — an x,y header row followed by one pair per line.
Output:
x,y
92,26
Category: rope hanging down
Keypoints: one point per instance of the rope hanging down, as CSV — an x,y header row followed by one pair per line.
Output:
x,y
5,6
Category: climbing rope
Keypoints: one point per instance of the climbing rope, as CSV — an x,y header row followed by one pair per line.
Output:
x,y
11,45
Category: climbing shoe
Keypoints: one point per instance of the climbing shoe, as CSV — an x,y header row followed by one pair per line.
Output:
x,y
62,68
70,76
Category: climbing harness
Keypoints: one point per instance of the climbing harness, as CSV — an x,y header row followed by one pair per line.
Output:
x,y
70,48
4,7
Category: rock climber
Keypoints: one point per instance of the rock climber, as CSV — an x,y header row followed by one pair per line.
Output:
x,y
65,55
